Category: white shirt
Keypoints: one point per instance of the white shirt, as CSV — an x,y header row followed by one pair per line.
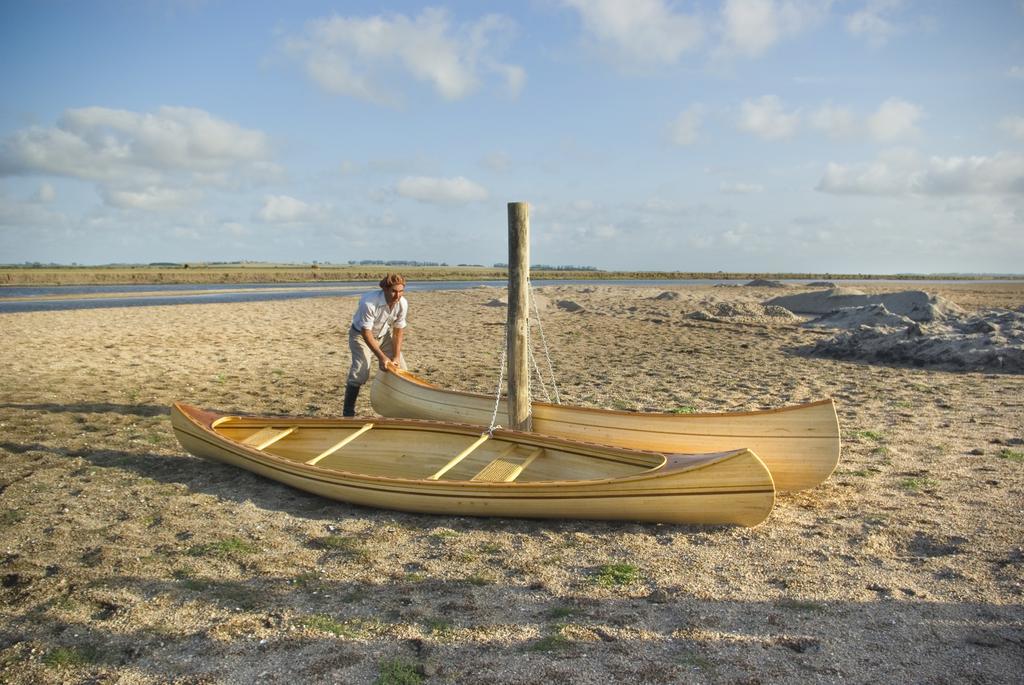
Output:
x,y
373,313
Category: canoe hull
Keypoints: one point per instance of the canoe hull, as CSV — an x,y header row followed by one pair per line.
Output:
x,y
800,444
732,488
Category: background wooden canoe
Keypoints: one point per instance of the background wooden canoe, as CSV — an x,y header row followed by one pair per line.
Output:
x,y
799,444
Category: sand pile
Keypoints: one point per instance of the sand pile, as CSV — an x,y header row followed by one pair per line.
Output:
x,y
988,341
742,312
873,315
915,304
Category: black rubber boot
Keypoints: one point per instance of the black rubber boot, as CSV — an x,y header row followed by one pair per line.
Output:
x,y
351,393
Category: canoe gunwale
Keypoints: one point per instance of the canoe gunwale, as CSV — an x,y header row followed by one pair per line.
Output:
x,y
413,378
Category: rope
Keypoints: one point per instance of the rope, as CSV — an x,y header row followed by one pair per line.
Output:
x,y
547,355
497,394
540,378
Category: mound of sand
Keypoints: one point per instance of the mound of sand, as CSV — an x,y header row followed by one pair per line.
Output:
x,y
569,306
667,295
874,315
763,283
915,304
991,341
742,312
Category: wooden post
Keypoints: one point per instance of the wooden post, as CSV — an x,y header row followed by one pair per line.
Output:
x,y
518,316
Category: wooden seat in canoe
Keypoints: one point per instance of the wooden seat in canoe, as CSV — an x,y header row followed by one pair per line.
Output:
x,y
505,469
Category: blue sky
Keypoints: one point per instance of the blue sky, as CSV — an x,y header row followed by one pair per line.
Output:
x,y
746,135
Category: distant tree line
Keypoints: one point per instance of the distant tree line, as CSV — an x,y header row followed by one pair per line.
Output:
x,y
393,262
549,267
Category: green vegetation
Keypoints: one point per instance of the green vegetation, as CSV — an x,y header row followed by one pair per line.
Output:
x,y
69,657
694,660
11,516
866,435
552,643
342,544
326,624
915,484
683,409
398,672
561,612
1012,455
245,272
614,575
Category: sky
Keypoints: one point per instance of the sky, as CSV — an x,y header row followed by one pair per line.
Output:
x,y
842,136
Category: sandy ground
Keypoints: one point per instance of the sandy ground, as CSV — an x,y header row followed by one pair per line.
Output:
x,y
126,560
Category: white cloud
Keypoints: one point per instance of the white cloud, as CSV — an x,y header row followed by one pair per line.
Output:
x,y
645,31
908,174
767,119
139,159
442,191
741,188
1015,71
1014,126
836,122
751,27
284,209
895,119
367,58
871,23
685,129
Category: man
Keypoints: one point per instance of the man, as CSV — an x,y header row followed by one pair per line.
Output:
x,y
376,331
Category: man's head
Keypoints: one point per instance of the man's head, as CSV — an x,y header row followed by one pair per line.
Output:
x,y
393,286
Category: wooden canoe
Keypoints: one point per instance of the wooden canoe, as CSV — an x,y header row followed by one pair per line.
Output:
x,y
799,444
444,468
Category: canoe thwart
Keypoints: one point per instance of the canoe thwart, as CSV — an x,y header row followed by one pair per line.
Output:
x,y
265,437
459,457
338,445
505,470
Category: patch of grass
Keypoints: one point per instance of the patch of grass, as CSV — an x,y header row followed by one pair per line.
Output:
x,y
156,439
415,577
228,547
551,643
398,672
683,409
694,660
614,575
70,657
1012,455
915,484
326,624
874,436
491,548
442,535
561,612
480,579
11,516
437,626
342,544
860,473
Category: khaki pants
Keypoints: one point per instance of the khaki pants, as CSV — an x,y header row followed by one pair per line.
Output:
x,y
363,358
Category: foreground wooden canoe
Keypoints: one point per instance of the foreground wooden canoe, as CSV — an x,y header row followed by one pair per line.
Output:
x,y
799,444
444,468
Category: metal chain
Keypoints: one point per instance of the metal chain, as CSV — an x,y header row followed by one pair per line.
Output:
x,y
547,355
